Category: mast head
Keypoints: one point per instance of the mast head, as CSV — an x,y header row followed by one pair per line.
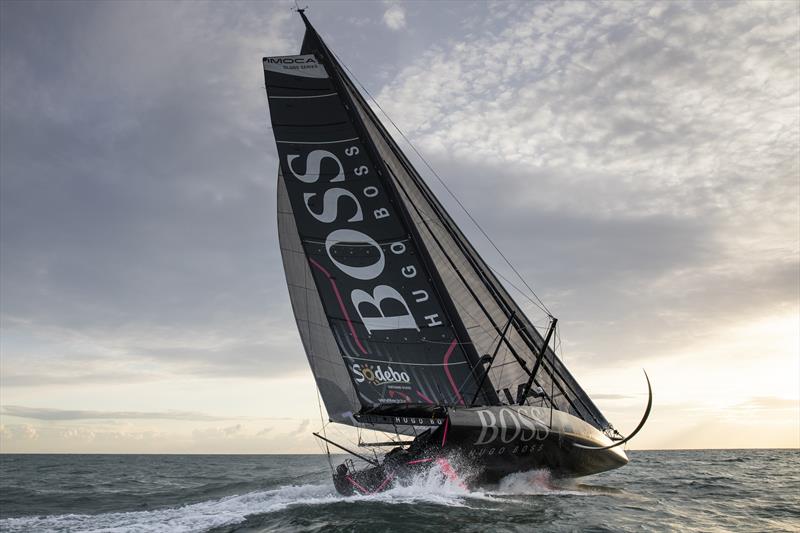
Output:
x,y
302,12
299,9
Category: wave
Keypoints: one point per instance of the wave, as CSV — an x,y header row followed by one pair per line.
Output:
x,y
429,488
193,517
540,483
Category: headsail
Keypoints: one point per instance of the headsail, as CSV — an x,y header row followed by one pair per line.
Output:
x,y
402,294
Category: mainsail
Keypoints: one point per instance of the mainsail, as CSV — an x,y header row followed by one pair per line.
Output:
x,y
398,312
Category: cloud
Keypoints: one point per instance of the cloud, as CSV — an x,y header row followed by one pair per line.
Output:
x,y
56,436
17,432
246,348
48,413
301,429
395,17
637,162
147,247
45,413
612,397
624,159
770,403
227,432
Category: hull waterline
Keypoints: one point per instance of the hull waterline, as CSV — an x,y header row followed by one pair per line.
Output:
x,y
482,445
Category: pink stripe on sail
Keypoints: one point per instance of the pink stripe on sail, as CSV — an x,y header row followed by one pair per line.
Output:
x,y
393,393
422,395
447,370
341,304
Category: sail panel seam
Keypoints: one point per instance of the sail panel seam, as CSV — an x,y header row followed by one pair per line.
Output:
x,y
308,96
318,142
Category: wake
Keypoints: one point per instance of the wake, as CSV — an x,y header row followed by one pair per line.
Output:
x,y
431,488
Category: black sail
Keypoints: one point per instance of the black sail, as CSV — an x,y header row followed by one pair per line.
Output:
x,y
398,343
319,115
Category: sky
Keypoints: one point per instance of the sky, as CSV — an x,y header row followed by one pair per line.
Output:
x,y
637,162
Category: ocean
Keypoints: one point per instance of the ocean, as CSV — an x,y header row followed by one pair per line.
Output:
x,y
699,490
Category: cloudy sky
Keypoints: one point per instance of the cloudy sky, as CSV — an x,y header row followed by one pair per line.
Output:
x,y
638,163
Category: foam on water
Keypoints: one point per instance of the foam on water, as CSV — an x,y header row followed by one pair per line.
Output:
x,y
193,517
431,487
685,490
537,482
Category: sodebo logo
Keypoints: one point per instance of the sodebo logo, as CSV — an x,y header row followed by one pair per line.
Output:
x,y
378,376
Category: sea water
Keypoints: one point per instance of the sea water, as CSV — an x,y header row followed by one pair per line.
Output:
x,y
705,490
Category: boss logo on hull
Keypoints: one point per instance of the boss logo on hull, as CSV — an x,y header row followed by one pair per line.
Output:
x,y
509,425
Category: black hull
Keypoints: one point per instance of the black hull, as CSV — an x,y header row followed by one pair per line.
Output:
x,y
482,445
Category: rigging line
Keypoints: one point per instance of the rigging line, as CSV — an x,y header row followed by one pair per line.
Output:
x,y
494,270
319,398
552,380
324,425
461,276
416,208
472,372
541,304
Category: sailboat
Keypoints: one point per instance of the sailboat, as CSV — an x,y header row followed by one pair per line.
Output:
x,y
407,329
